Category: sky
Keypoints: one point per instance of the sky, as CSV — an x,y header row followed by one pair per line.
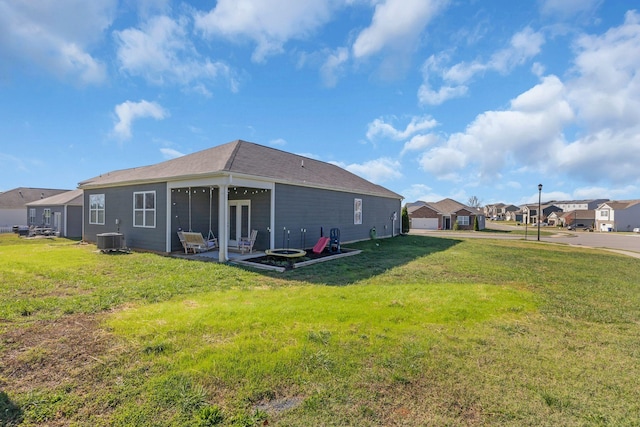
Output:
x,y
428,98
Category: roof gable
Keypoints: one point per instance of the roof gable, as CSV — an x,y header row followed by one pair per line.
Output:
x,y
246,158
449,206
19,197
619,204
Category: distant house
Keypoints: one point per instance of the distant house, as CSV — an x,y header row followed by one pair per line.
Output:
x,y
62,212
618,215
13,204
499,211
580,218
517,216
232,189
531,216
578,205
443,215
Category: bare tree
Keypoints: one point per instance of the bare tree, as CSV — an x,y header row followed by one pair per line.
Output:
x,y
474,202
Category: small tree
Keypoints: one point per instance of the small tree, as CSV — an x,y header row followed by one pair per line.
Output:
x,y
405,220
476,225
474,202
456,226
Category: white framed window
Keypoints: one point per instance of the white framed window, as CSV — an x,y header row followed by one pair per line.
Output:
x,y
47,216
463,220
144,209
96,209
604,213
357,211
32,216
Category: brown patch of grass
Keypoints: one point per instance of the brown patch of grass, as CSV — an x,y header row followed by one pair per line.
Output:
x,y
50,354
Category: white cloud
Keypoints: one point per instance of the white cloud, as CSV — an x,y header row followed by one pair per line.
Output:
x,y
607,89
428,96
170,153
268,23
530,132
333,66
395,24
523,46
377,171
421,192
56,36
161,52
278,142
606,94
444,162
613,154
379,128
420,142
598,106
566,8
129,111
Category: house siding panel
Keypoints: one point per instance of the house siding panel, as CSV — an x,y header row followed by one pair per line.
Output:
x,y
119,205
315,209
73,221
626,219
260,213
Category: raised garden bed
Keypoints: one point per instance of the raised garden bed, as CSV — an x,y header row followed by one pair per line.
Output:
x,y
277,263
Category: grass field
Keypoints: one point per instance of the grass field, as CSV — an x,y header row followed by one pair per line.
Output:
x,y
414,331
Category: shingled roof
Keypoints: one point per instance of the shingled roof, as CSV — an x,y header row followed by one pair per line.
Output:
x,y
248,159
69,198
620,204
19,197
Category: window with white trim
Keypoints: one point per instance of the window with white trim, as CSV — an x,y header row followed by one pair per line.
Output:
x,y
96,209
32,216
47,216
144,209
604,213
357,211
463,220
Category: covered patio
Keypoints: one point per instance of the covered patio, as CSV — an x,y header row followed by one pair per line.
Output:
x,y
227,209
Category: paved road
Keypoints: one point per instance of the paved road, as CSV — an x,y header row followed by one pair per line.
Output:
x,y
626,243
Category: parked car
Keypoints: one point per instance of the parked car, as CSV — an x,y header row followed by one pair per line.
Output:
x,y
636,230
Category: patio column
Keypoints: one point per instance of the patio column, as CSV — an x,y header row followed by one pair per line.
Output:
x,y
223,239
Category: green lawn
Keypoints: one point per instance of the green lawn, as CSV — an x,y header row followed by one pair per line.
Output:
x,y
413,331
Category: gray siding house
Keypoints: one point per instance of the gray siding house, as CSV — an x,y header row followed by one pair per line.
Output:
x,y
232,189
13,204
62,212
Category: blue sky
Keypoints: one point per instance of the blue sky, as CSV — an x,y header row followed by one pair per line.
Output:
x,y
429,98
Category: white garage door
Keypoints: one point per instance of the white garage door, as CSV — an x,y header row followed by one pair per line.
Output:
x,y
425,223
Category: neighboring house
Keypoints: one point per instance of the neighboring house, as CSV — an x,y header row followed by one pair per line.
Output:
x,y
62,212
517,215
443,215
554,218
232,189
491,211
499,211
618,215
530,212
580,218
579,205
13,204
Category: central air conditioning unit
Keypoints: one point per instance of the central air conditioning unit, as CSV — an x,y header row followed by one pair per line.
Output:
x,y
111,242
